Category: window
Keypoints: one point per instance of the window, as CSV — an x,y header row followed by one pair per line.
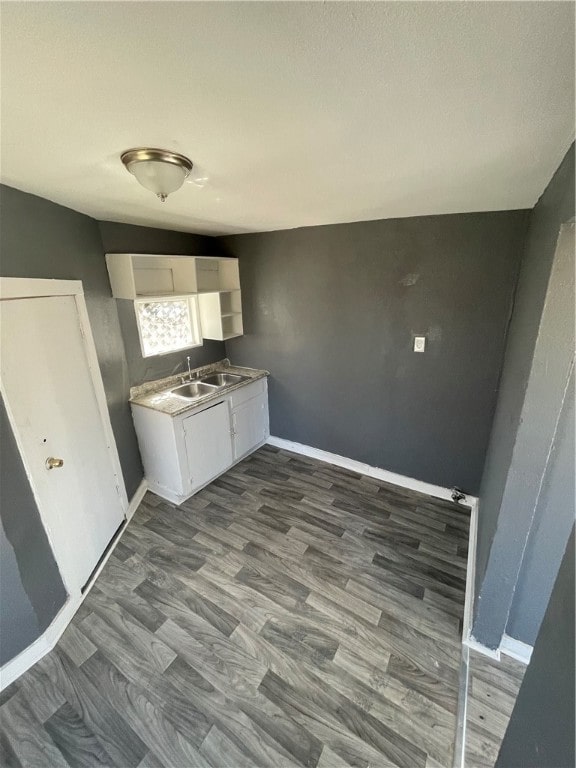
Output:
x,y
167,325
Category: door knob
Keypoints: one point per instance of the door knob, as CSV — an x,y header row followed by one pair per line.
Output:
x,y
52,463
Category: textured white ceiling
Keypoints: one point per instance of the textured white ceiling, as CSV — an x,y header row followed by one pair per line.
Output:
x,y
299,113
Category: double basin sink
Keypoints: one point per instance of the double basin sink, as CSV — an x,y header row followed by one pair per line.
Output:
x,y
207,385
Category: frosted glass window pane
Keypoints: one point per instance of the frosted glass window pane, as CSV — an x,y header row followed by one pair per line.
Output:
x,y
165,326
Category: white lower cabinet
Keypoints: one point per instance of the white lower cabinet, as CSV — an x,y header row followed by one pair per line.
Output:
x,y
208,445
249,425
182,453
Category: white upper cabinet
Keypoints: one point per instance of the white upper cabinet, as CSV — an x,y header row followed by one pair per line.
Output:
x,y
133,276
215,281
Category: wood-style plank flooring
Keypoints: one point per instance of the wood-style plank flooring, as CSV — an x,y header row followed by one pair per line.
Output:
x,y
290,614
492,690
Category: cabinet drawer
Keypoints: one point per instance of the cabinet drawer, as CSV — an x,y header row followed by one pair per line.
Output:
x,y
247,392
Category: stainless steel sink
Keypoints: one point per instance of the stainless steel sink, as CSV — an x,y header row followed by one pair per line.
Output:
x,y
223,379
194,389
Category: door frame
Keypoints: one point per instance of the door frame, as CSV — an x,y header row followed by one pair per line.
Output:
x,y
32,288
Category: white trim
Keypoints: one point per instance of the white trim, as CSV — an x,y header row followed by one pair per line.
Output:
x,y
458,760
474,645
100,394
470,573
45,643
365,469
516,649
171,496
30,288
136,499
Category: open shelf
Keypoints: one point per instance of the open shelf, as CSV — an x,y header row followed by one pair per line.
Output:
x,y
217,275
221,314
232,326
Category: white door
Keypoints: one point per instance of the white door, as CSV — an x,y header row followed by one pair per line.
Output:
x,y
51,398
208,444
249,425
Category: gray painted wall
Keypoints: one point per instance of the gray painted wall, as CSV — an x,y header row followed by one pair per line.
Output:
x,y
129,238
537,509
541,730
331,311
126,238
555,207
522,538
31,589
41,239
553,518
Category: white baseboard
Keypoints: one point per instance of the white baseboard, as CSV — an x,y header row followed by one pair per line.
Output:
x,y
516,649
167,494
365,469
474,645
136,499
16,667
40,647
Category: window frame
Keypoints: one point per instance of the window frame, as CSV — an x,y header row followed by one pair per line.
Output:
x,y
193,314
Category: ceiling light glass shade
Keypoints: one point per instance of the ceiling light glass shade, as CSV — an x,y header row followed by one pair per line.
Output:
x,y
158,170
160,178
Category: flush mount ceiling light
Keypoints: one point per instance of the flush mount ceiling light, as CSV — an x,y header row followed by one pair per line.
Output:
x,y
159,170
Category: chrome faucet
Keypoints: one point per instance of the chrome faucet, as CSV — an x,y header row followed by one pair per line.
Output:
x,y
190,374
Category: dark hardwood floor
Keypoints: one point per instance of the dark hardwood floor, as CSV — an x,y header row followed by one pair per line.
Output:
x,y
290,614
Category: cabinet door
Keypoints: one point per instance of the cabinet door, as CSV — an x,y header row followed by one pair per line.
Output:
x,y
208,444
249,425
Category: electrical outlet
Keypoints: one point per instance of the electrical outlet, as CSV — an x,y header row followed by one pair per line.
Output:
x,y
419,343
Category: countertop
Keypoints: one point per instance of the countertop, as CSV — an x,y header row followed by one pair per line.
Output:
x,y
157,394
